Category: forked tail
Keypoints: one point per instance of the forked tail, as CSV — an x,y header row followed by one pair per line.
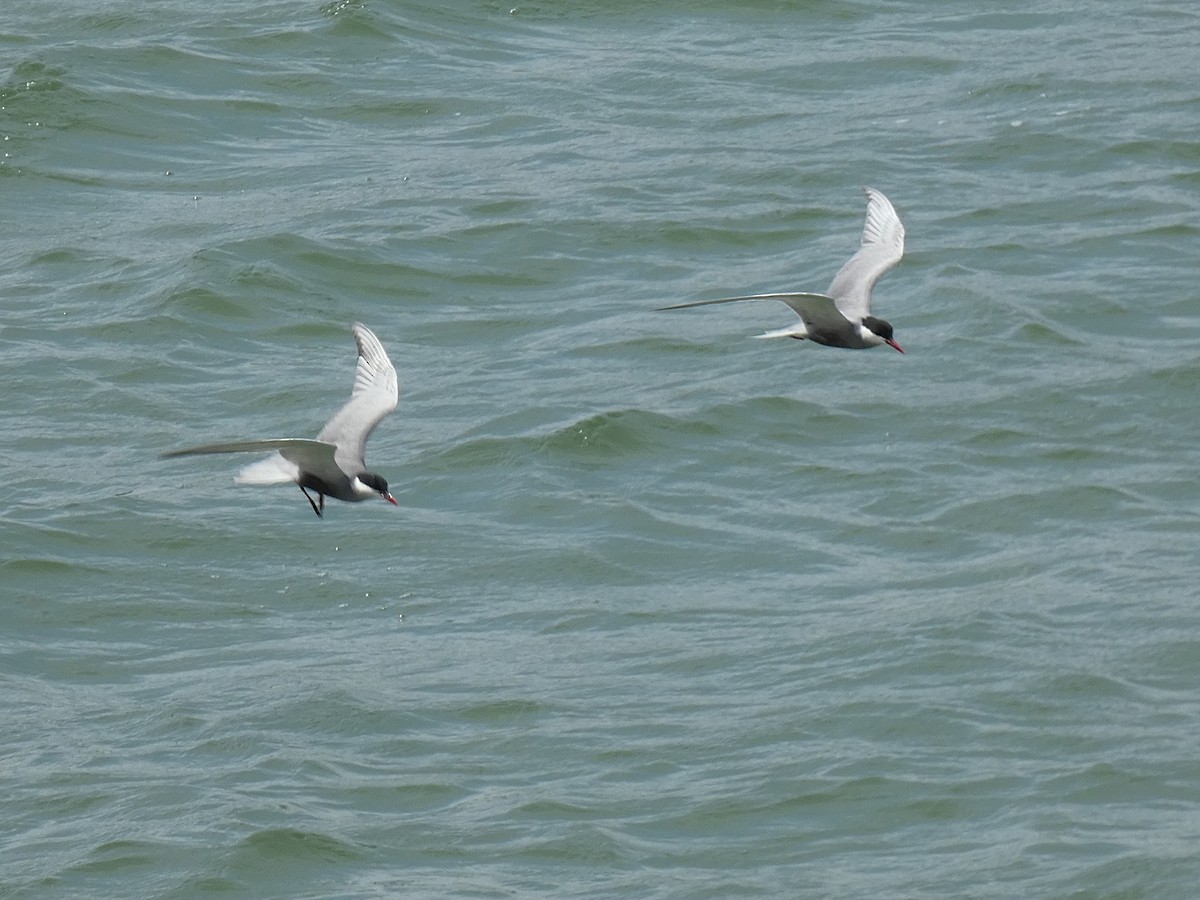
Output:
x,y
793,331
272,470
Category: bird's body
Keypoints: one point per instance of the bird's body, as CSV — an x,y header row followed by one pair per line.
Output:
x,y
842,316
333,464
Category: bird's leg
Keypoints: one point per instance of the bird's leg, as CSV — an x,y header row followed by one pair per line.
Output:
x,y
312,504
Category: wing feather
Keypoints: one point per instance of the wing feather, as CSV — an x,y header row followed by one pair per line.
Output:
x,y
376,393
882,247
818,311
293,455
787,298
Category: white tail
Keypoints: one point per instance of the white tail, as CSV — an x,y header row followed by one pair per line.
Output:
x,y
797,331
272,470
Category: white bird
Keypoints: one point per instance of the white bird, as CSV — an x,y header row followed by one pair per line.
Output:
x,y
842,316
333,464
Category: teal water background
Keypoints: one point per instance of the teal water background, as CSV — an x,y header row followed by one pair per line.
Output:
x,y
664,611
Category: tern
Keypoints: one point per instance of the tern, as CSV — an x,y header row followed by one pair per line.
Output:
x,y
842,316
332,465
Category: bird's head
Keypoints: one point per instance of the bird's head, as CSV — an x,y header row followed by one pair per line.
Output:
x,y
877,331
376,484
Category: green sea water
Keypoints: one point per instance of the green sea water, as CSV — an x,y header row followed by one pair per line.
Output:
x,y
664,611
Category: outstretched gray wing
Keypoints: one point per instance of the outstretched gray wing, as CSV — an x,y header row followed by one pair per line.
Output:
x,y
817,310
316,457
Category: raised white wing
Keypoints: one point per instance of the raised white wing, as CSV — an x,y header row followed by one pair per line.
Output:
x,y
376,393
882,247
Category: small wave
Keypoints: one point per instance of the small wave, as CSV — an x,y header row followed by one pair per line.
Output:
x,y
619,432
1040,333
292,843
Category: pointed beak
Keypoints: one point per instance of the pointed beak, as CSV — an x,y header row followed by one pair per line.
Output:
x,y
390,499
894,345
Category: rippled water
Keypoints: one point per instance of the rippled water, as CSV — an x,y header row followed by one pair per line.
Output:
x,y
665,611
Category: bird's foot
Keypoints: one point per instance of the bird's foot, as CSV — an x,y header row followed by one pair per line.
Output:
x,y
315,509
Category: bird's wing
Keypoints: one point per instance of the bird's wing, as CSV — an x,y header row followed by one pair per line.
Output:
x,y
300,445
817,310
316,457
882,247
376,393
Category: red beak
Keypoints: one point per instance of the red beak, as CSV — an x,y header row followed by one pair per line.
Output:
x,y
892,343
390,499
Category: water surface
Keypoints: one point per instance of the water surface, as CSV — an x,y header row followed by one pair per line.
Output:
x,y
665,611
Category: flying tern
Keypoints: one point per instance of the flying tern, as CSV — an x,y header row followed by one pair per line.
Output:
x,y
841,317
332,465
